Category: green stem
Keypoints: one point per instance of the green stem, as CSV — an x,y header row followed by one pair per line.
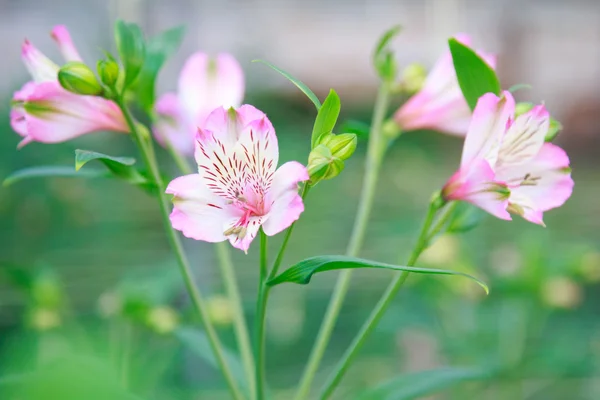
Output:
x,y
381,306
261,308
126,352
231,286
375,151
147,151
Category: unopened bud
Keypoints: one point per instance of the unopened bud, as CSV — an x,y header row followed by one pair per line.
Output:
x,y
413,78
108,70
220,310
163,319
561,292
78,78
391,129
43,319
323,165
341,146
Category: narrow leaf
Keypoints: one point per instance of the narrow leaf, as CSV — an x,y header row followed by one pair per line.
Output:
x,y
303,271
50,171
475,76
121,167
359,128
519,86
326,118
419,384
383,58
132,50
385,39
198,343
309,93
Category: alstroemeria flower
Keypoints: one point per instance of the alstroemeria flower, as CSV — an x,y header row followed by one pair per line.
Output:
x,y
440,105
237,189
204,84
506,166
43,111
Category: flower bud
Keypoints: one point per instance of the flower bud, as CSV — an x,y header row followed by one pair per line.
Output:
x,y
341,146
43,319
78,78
391,129
162,319
323,165
108,70
220,310
562,292
413,78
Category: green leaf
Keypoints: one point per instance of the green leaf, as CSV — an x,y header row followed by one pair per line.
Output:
x,y
464,217
383,58
419,384
198,343
519,86
303,271
309,93
121,167
158,50
131,48
475,76
50,171
326,118
359,128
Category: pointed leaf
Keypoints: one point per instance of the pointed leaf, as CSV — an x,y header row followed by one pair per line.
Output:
x,y
418,384
359,128
121,167
158,50
131,48
302,272
309,93
326,118
50,171
198,343
383,58
475,76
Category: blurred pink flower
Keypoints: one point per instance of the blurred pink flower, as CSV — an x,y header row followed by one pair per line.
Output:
x,y
43,111
204,84
238,188
506,166
440,105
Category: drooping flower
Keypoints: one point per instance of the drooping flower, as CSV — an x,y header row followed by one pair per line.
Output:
x,y
506,166
43,111
238,187
440,105
204,84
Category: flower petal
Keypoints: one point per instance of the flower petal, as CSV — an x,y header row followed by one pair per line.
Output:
x,y
172,125
284,202
61,35
198,213
251,230
488,126
40,67
524,138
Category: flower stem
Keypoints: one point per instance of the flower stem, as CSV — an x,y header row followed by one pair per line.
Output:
x,y
261,308
382,305
147,151
375,151
233,292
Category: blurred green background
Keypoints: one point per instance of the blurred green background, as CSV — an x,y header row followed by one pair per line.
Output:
x,y
91,303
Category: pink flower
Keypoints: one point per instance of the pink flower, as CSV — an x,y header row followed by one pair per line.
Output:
x,y
440,105
238,188
204,84
506,166
43,111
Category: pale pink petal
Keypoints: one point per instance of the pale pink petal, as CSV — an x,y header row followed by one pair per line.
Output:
x,y
61,35
524,138
172,125
251,230
476,183
283,201
40,67
197,212
488,126
54,115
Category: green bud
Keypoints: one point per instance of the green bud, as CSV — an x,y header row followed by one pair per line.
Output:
x,y
391,129
108,70
323,165
341,146
162,319
413,78
78,78
522,108
554,128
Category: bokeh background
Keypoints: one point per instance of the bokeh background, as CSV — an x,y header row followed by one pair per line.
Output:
x,y
90,296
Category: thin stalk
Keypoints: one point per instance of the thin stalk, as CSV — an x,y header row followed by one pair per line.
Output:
x,y
261,308
147,151
231,287
375,151
381,306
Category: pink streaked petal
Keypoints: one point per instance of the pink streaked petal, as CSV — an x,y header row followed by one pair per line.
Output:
x,y
524,137
197,212
284,202
258,148
488,126
61,35
173,126
243,243
40,67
